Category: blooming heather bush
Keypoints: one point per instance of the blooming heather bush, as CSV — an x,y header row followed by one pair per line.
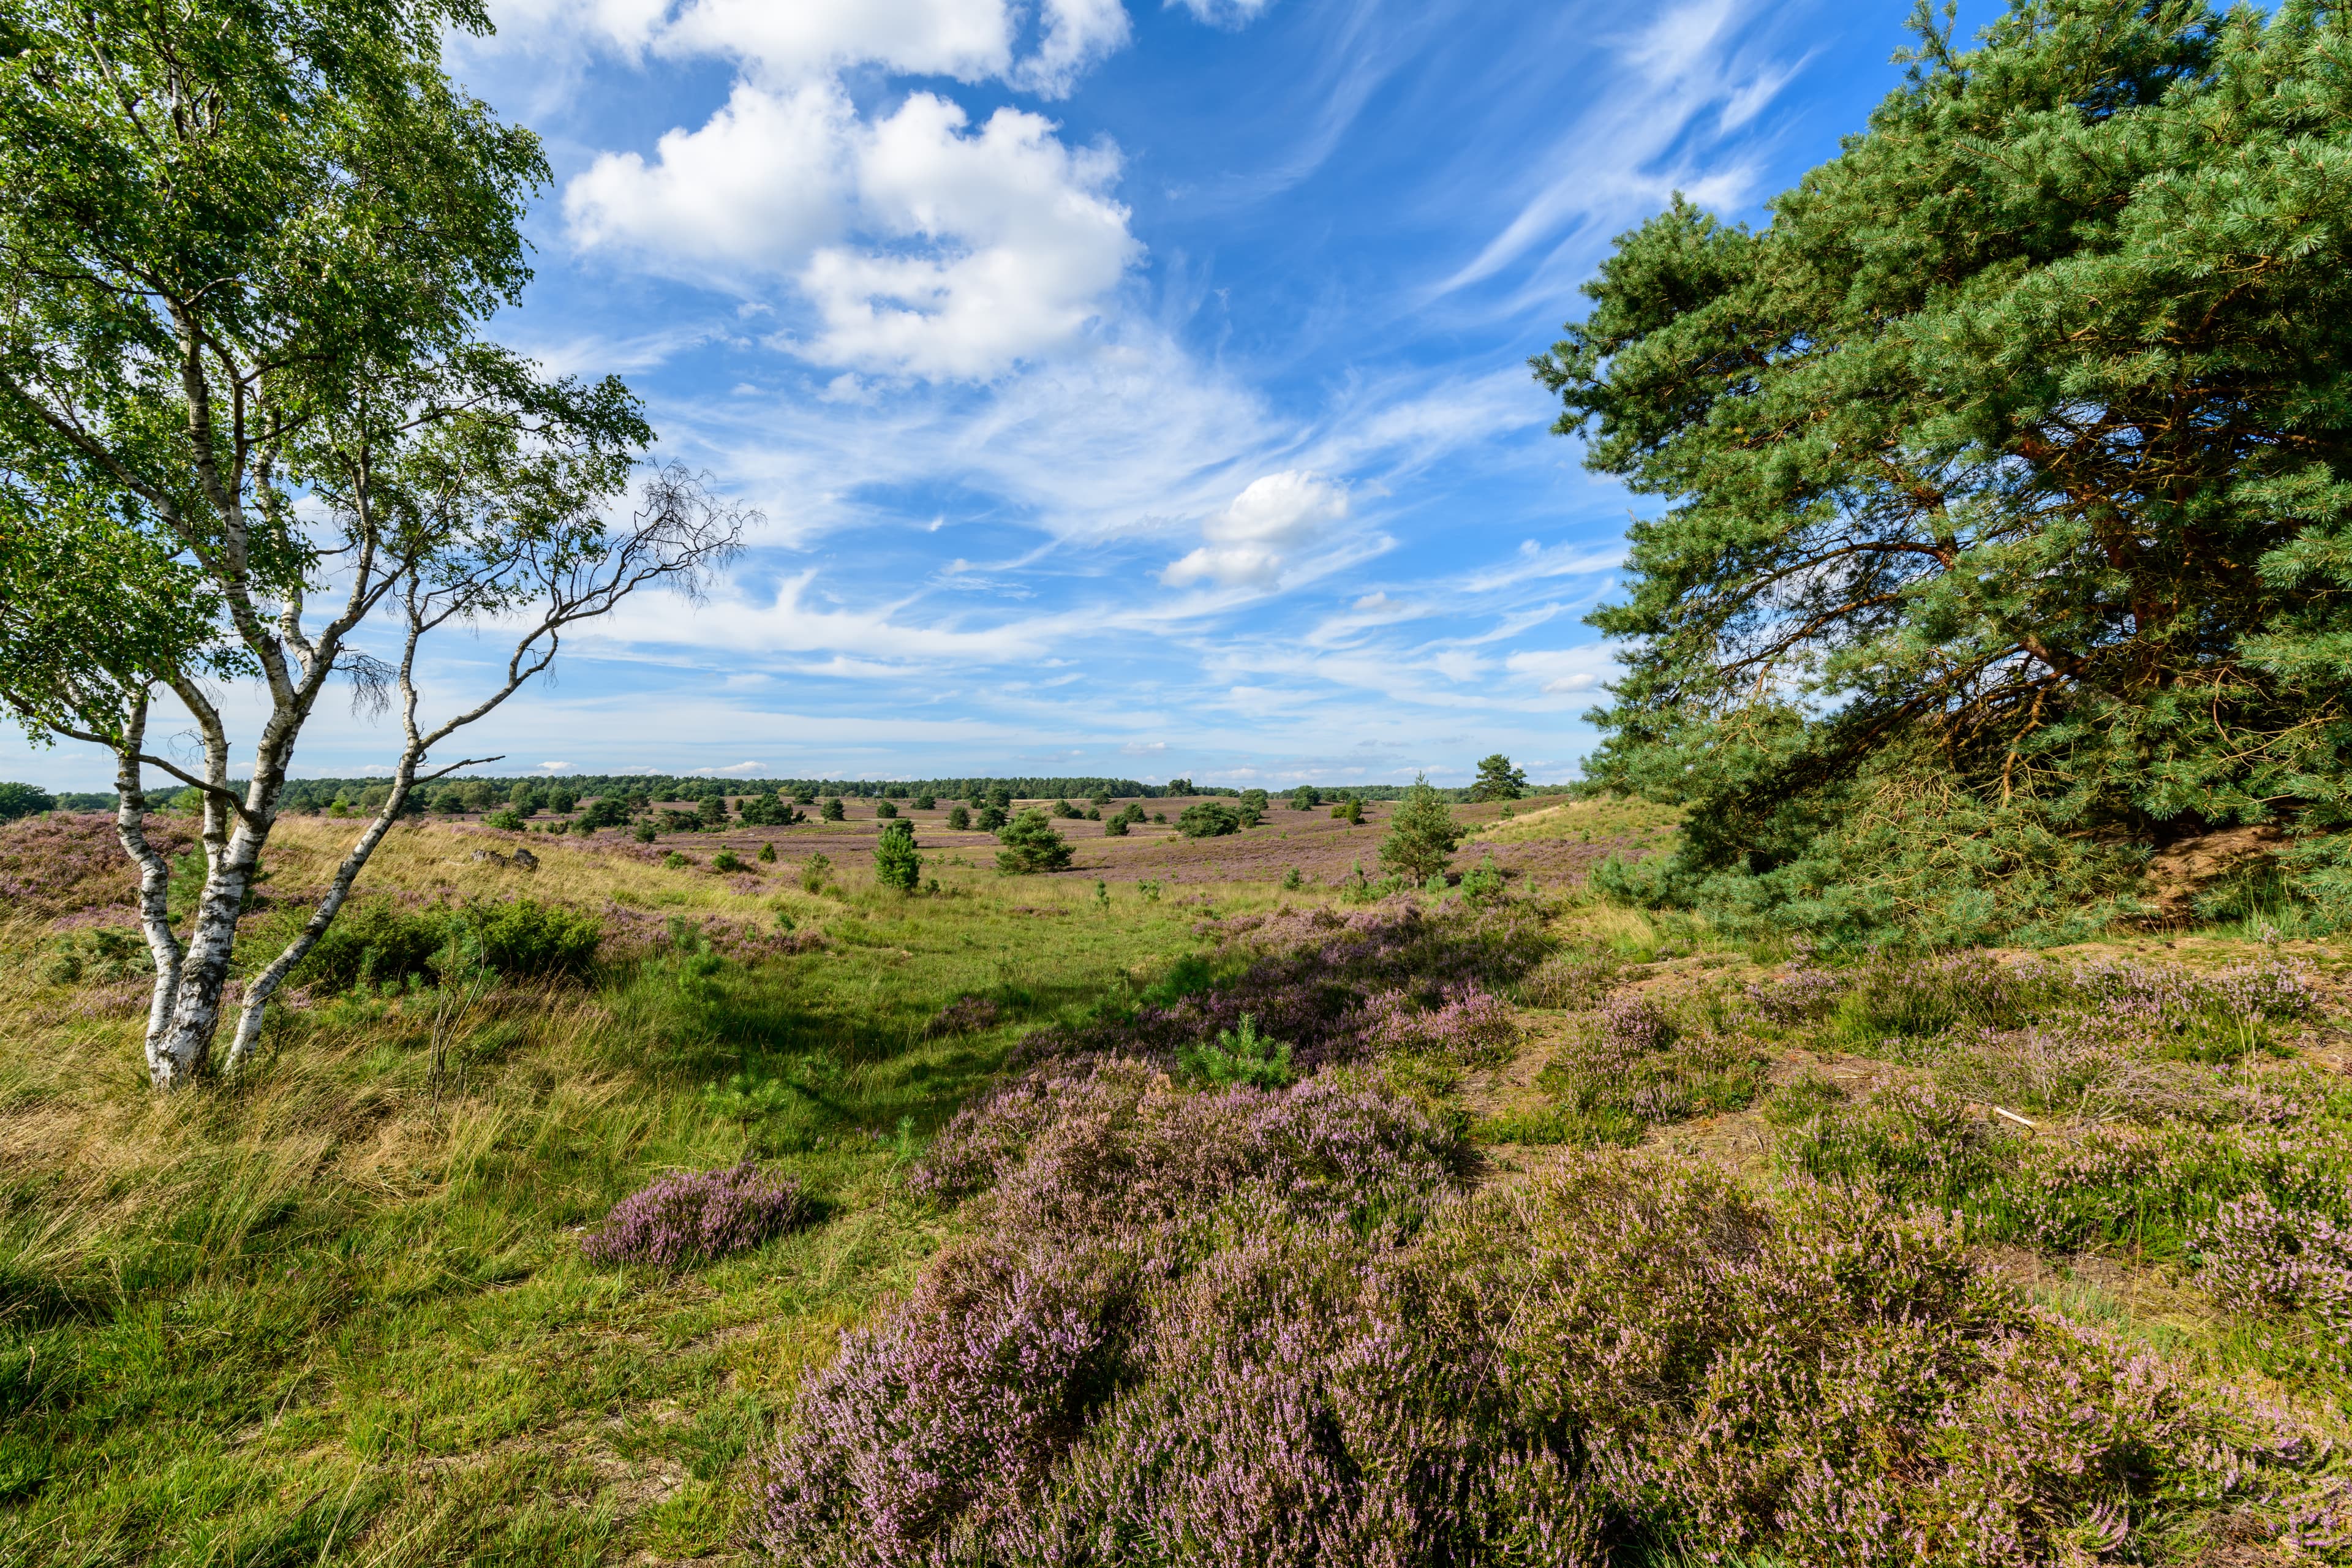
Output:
x,y
2258,1257
1633,1062
693,1216
1312,977
1633,1025
1798,993
2151,1188
1112,1147
942,1421
1630,1358
1472,1026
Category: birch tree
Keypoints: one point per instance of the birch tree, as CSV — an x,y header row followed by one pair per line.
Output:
x,y
251,430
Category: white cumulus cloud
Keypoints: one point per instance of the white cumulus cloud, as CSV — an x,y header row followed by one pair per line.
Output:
x,y
1019,243
924,246
1249,541
758,188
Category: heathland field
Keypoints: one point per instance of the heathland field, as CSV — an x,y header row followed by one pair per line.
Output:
x,y
1171,1208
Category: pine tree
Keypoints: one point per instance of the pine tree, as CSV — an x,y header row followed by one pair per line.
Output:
x,y
1031,844
896,864
1422,835
2004,534
1498,780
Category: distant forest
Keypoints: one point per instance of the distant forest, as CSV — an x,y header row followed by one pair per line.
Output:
x,y
471,792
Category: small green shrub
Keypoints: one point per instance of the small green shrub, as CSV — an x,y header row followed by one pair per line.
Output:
x,y
767,854
991,818
728,861
505,821
525,937
1208,819
1910,1145
896,864
959,818
885,810
678,861
1798,1101
926,801
1293,879
1031,846
813,871
1115,828
833,810
1240,1055
373,942
1483,883
645,834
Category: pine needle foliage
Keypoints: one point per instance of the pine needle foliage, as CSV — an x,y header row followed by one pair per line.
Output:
x,y
1422,835
2008,476
1498,780
1031,844
896,864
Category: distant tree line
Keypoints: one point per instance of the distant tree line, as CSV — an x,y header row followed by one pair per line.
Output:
x,y
562,794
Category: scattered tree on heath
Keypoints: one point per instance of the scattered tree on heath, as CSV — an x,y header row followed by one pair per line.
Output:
x,y
1031,844
1498,780
896,864
250,250
1208,819
1422,834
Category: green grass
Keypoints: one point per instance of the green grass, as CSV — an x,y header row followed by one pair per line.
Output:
x,y
337,1312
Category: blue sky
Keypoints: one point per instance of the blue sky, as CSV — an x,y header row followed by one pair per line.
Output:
x,y
1134,389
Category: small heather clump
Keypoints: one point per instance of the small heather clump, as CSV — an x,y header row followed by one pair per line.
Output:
x,y
1634,1026
2259,1258
1472,1026
965,1015
1801,993
694,1216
